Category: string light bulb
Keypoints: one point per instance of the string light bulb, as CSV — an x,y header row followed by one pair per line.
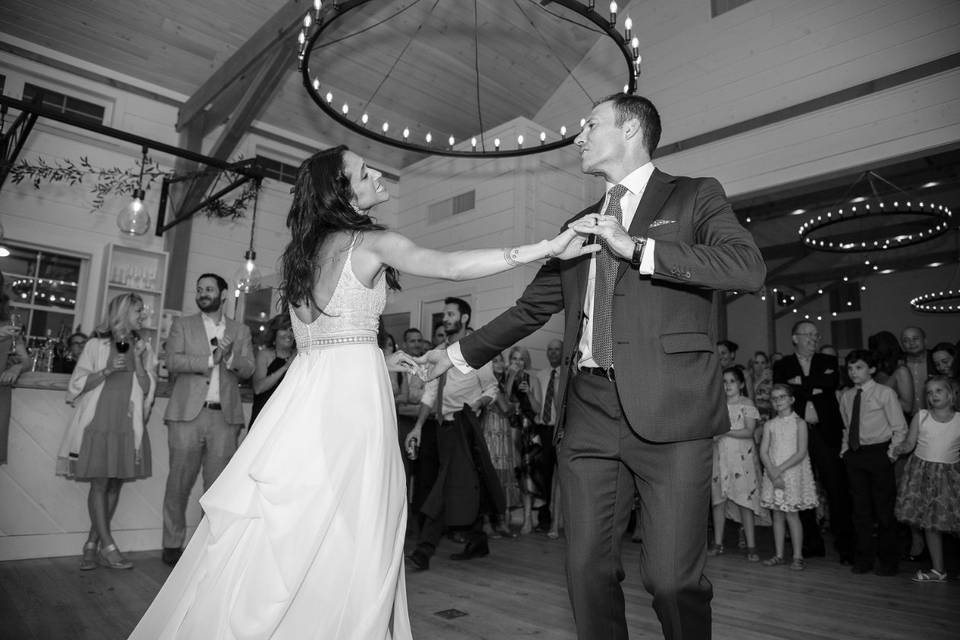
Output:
x,y
133,219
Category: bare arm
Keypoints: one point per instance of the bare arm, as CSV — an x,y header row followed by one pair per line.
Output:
x,y
903,385
401,253
801,451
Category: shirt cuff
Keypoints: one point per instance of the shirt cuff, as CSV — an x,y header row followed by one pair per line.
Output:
x,y
647,264
456,358
210,361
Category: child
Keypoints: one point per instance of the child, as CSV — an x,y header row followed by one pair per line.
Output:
x,y
929,495
735,479
873,428
788,477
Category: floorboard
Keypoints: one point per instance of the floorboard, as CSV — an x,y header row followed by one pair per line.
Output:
x,y
519,591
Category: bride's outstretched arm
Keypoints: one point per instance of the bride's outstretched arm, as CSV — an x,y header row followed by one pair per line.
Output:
x,y
406,256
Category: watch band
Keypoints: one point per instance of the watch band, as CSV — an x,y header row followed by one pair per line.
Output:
x,y
638,244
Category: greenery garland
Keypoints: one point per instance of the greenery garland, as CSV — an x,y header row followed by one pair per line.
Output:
x,y
114,181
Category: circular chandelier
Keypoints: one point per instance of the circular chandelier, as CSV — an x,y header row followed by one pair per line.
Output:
x,y
423,139
937,302
875,210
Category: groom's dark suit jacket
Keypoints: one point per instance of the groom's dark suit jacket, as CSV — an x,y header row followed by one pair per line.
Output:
x,y
663,353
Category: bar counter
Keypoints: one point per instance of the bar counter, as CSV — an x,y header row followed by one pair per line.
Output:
x,y
42,514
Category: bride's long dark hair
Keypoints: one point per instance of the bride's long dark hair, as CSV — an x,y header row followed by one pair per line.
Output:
x,y
321,206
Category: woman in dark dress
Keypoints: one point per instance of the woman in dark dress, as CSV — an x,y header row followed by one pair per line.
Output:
x,y
106,443
272,363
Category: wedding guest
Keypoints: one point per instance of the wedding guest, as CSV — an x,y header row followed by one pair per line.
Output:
x,y
272,361
106,443
207,354
439,335
13,356
945,360
759,377
727,353
74,347
549,516
524,394
501,439
891,371
918,361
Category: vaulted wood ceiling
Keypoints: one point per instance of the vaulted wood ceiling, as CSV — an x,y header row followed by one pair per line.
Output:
x,y
412,62
211,51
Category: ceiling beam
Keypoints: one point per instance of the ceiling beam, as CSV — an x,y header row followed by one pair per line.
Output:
x,y
278,30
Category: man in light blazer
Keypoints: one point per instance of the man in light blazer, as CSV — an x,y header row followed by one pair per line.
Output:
x,y
208,355
641,402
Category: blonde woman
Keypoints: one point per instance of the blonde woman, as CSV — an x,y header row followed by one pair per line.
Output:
x,y
112,389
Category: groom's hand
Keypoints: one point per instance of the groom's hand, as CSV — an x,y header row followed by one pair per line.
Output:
x,y
434,363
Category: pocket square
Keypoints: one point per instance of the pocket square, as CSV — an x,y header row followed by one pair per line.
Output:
x,y
661,222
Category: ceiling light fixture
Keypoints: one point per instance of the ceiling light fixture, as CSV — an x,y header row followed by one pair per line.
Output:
x,y
313,48
133,219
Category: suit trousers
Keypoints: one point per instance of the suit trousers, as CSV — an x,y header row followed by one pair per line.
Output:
x,y
832,478
207,441
874,492
600,462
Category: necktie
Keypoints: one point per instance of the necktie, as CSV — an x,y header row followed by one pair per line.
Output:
x,y
603,290
547,417
853,436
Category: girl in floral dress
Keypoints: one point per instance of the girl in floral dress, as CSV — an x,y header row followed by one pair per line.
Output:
x,y
735,482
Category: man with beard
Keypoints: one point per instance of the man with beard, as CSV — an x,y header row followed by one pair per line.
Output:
x,y
408,408
466,484
207,356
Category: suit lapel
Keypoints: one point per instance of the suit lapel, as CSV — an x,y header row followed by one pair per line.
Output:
x,y
658,189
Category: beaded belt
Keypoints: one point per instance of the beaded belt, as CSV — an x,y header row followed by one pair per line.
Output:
x,y
321,343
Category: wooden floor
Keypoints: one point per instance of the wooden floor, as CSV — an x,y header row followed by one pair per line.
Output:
x,y
519,591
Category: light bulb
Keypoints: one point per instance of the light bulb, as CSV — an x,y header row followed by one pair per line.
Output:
x,y
519,141
248,276
133,219
364,119
428,137
496,143
329,97
450,140
628,26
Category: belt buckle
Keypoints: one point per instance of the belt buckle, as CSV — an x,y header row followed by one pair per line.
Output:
x,y
608,373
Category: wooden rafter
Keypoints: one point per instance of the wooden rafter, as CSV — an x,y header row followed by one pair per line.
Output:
x,y
277,32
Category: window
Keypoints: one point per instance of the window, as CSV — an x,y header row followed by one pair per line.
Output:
x,y
44,290
278,170
452,206
719,7
65,104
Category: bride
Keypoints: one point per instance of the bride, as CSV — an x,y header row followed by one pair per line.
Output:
x,y
302,535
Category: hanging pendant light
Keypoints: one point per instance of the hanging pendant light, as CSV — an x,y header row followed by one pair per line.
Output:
x,y
133,219
248,276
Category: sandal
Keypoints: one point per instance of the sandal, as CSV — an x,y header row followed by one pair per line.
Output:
x,y
715,550
110,557
798,564
930,576
752,555
89,559
773,562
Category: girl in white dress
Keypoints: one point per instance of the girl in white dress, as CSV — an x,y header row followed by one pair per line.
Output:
x,y
302,536
788,486
735,480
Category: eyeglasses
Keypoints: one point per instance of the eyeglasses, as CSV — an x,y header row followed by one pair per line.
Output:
x,y
77,343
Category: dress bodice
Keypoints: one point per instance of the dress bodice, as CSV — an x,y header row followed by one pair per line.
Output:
x,y
351,316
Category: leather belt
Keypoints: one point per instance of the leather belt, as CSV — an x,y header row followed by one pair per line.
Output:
x,y
215,406
609,374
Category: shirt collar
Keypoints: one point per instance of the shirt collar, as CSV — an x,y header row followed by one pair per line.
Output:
x,y
636,181
209,320
869,384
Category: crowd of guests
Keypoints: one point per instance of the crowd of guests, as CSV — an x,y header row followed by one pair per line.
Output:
x,y
868,448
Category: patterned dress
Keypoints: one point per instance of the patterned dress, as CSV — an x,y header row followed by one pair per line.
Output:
x,y
736,471
929,492
800,492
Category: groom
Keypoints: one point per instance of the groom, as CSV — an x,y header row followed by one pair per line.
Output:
x,y
640,390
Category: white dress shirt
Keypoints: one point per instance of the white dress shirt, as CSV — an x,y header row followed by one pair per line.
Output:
x,y
214,330
635,182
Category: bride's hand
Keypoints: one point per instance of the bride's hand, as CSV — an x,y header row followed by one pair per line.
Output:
x,y
402,362
571,244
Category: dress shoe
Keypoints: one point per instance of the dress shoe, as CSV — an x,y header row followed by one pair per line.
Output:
x,y
472,550
171,555
418,561
111,557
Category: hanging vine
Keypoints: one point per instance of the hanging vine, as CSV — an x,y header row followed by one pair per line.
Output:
x,y
117,181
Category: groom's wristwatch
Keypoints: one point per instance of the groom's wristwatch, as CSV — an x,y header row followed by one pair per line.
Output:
x,y
638,244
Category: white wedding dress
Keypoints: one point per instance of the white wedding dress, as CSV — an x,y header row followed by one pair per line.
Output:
x,y
302,536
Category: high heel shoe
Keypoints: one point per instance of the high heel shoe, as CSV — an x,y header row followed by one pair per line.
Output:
x,y
90,553
110,557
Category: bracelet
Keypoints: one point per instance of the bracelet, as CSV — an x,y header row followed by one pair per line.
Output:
x,y
511,256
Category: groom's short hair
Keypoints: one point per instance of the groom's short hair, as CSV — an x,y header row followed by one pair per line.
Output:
x,y
627,106
462,305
